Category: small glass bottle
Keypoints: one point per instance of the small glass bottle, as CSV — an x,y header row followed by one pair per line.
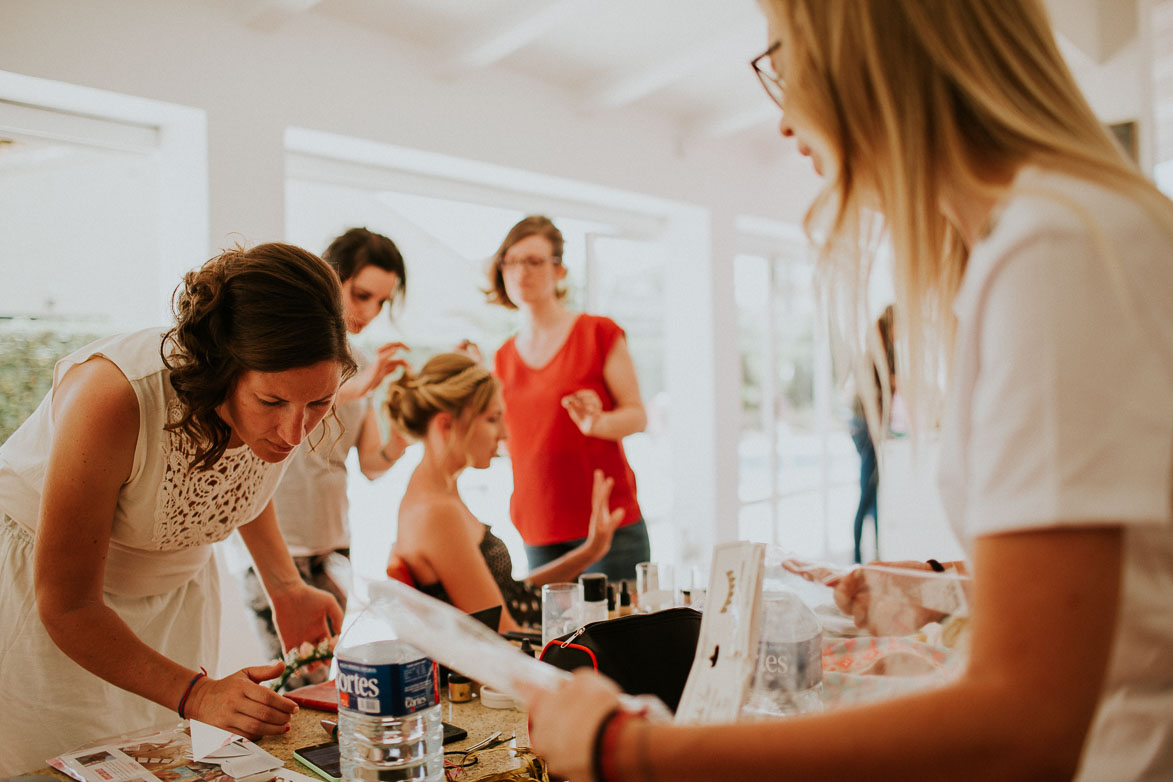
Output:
x,y
624,599
594,596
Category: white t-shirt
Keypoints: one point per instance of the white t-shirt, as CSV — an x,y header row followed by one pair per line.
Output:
x,y
1062,415
311,502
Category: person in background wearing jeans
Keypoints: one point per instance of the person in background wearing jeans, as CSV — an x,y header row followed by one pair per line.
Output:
x,y
1033,257
571,396
861,433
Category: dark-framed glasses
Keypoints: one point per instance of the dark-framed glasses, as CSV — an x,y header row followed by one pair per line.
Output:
x,y
763,67
526,262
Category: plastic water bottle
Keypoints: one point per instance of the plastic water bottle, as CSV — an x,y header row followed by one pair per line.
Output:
x,y
788,677
388,714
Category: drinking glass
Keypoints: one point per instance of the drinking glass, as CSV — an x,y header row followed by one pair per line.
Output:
x,y
561,610
654,586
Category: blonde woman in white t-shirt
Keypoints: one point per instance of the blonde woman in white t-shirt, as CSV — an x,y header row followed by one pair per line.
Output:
x,y
1036,263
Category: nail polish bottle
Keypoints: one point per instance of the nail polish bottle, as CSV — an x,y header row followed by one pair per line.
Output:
x,y
624,600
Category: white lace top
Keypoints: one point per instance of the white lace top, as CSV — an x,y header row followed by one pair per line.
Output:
x,y
166,513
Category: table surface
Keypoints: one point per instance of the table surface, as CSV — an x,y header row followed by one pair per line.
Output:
x,y
480,722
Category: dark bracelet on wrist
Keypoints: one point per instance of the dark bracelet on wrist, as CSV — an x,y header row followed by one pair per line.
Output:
x,y
183,701
597,746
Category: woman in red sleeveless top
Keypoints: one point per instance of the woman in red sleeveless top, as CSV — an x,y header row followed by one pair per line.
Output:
x,y
571,396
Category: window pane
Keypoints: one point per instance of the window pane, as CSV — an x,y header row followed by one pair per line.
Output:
x,y
71,213
751,279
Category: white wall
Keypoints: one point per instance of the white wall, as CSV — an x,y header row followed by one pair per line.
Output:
x,y
318,73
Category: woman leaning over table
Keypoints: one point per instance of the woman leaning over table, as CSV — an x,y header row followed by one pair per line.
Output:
x,y
1032,253
454,407
149,447
571,396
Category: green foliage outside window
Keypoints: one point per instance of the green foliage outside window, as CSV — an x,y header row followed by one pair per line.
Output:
x,y
27,356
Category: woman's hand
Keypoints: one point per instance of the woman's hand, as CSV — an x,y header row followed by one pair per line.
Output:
x,y
604,521
884,614
305,613
584,407
241,704
369,377
470,349
564,721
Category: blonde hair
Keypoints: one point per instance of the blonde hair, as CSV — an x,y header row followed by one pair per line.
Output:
x,y
451,383
914,95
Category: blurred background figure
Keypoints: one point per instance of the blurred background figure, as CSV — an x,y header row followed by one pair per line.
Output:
x,y
882,349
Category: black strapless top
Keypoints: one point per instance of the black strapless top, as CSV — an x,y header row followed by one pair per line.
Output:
x,y
523,603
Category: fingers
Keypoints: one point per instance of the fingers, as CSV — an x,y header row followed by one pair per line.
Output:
x,y
617,518
390,348
847,592
239,704
263,673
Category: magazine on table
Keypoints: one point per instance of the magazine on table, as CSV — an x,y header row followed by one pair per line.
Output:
x,y
169,756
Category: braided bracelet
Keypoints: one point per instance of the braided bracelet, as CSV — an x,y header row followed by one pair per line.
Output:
x,y
187,692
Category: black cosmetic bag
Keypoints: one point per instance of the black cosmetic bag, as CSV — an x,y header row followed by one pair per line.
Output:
x,y
643,653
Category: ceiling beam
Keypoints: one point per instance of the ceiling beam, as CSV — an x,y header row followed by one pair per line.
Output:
x,y
1098,28
729,123
268,15
507,37
630,85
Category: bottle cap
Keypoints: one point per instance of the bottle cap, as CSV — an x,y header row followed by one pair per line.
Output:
x,y
527,648
610,597
624,595
594,587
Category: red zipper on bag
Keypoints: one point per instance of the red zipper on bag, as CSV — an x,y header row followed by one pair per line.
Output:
x,y
568,645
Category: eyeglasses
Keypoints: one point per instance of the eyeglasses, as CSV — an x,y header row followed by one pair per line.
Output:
x,y
529,262
763,66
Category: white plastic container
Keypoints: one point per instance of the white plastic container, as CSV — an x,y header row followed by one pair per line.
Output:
x,y
388,714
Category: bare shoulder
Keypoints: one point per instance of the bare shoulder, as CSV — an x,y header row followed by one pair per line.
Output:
x,y
99,392
431,517
96,427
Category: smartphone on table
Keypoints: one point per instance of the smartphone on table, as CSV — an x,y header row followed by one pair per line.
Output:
x,y
324,760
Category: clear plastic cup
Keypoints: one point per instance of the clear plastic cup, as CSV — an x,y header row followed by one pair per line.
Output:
x,y
561,610
655,587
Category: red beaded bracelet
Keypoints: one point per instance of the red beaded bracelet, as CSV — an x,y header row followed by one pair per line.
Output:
x,y
187,692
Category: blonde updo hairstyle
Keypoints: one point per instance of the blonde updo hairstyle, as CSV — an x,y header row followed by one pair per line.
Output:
x,y
451,383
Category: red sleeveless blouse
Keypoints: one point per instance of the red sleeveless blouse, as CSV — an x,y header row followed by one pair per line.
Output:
x,y
553,462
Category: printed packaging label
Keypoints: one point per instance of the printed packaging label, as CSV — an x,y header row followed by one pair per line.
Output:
x,y
790,666
388,690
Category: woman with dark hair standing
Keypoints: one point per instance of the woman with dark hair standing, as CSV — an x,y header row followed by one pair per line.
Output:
x,y
149,447
571,396
311,502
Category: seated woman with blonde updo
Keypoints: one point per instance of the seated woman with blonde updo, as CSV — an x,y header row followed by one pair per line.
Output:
x,y
454,407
